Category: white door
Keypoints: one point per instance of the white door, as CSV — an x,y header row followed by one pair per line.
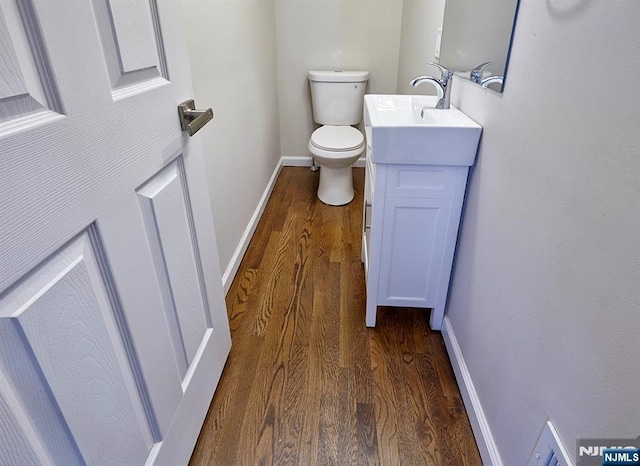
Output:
x,y
113,330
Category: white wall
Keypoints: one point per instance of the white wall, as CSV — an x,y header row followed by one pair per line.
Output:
x,y
420,20
331,34
545,297
233,61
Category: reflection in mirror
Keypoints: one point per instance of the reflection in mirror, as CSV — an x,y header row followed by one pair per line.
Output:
x,y
476,38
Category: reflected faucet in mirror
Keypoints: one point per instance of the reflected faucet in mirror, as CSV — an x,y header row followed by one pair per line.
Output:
x,y
443,85
477,73
490,80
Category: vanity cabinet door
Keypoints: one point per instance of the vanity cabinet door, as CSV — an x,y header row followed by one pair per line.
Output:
x,y
414,234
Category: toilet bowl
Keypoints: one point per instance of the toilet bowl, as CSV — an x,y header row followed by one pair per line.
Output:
x,y
337,98
335,149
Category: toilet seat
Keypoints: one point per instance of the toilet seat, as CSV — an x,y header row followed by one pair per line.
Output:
x,y
335,149
337,138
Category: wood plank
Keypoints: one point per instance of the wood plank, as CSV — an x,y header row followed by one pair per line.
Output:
x,y
383,400
389,376
307,382
360,338
329,342
366,431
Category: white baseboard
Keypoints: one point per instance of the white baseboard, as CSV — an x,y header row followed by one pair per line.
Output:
x,y
306,161
481,431
236,259
303,161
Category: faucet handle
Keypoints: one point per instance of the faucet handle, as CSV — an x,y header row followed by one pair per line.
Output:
x,y
482,66
476,74
445,73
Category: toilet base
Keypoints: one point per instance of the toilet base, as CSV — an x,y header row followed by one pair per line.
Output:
x,y
336,185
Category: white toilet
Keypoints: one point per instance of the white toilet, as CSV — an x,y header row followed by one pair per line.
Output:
x,y
337,99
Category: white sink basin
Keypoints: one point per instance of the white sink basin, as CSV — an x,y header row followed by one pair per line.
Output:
x,y
408,129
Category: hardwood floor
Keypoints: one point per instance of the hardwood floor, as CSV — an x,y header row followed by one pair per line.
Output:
x,y
306,382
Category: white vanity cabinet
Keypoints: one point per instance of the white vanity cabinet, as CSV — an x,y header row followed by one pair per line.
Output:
x,y
412,213
410,227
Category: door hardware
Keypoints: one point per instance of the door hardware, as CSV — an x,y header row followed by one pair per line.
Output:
x,y
191,118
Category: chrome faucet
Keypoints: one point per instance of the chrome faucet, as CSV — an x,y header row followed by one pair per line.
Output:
x,y
476,74
443,84
492,79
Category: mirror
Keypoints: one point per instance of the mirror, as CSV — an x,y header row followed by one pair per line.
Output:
x,y
477,32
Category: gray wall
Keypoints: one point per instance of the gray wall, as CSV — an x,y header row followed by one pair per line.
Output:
x,y
420,21
233,60
545,297
328,35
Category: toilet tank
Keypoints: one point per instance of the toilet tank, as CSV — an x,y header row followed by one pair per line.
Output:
x,y
337,96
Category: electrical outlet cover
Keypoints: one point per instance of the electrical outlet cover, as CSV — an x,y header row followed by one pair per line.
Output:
x,y
549,451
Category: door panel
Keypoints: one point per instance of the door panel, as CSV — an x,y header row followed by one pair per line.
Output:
x,y
146,315
168,226
28,404
113,328
67,323
19,445
134,34
27,86
132,44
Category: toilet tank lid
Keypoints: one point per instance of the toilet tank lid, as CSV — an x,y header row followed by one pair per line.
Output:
x,y
339,76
